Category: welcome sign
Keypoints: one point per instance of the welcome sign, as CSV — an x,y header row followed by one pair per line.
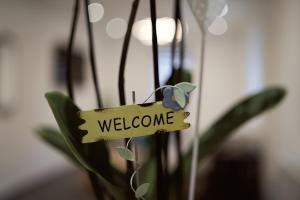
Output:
x,y
131,121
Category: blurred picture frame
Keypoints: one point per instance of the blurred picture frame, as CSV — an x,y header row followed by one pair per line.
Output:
x,y
60,66
8,73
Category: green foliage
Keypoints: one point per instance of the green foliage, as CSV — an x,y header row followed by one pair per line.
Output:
x,y
66,115
69,142
125,153
56,140
179,76
142,190
234,118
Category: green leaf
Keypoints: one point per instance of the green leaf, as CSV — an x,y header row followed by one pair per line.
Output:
x,y
234,118
66,115
125,153
142,190
56,139
97,156
150,175
179,97
186,87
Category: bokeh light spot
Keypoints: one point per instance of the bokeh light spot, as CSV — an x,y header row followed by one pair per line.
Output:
x,y
96,12
116,28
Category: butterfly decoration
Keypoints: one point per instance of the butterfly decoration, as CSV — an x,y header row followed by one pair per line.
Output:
x,y
177,97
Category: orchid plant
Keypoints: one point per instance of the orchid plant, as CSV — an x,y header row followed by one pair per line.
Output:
x,y
107,181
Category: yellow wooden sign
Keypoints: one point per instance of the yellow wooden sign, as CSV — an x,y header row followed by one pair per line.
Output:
x,y
131,121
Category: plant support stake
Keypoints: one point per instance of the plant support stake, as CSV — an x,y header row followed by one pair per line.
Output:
x,y
193,176
96,186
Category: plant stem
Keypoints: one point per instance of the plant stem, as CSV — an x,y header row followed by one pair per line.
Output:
x,y
136,153
98,191
94,181
173,81
178,19
173,46
125,52
182,43
69,77
194,168
121,81
160,184
92,54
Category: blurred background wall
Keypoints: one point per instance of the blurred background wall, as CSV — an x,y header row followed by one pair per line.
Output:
x,y
260,48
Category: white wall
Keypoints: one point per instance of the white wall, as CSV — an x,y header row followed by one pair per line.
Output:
x,y
283,67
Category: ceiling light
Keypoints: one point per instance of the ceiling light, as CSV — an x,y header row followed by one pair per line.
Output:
x,y
142,30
